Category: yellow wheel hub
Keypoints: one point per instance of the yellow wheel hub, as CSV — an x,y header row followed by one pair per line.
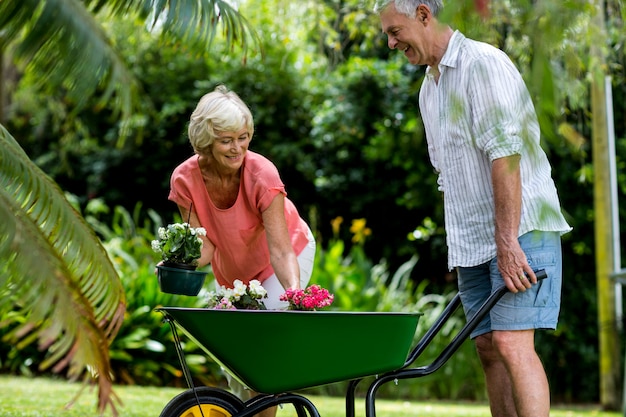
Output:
x,y
208,410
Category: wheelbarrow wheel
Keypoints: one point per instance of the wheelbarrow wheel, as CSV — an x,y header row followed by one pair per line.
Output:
x,y
214,402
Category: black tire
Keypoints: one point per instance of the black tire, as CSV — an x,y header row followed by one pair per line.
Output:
x,y
215,402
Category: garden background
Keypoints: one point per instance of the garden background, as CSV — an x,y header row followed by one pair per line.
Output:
x,y
336,111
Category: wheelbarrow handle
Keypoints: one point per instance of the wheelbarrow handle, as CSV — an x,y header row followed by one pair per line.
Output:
x,y
540,274
456,342
406,372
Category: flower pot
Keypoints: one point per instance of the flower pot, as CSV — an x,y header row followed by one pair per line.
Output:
x,y
180,281
179,266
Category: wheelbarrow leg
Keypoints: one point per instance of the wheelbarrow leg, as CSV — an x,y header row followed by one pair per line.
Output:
x,y
350,397
179,351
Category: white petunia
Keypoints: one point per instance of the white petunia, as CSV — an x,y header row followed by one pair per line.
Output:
x,y
256,289
156,246
212,299
227,292
239,289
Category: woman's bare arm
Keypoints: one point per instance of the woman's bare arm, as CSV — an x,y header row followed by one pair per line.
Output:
x,y
282,256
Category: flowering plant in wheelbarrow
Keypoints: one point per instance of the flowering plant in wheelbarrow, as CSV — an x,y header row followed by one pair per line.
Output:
x,y
241,296
312,298
180,247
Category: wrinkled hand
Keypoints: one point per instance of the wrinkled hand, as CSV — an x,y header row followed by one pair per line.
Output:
x,y
513,265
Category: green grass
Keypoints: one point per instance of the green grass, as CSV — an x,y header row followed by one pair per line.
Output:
x,y
42,397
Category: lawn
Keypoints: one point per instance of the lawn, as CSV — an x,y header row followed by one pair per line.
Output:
x,y
41,397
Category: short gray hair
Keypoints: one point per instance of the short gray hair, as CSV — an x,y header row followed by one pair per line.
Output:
x,y
409,7
218,111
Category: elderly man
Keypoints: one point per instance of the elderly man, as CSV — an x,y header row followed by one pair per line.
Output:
x,y
502,212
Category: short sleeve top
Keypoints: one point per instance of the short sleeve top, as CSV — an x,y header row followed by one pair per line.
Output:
x,y
238,234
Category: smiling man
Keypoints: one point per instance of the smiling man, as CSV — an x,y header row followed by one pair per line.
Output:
x,y
502,212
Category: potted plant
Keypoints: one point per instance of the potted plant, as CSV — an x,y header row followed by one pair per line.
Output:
x,y
180,247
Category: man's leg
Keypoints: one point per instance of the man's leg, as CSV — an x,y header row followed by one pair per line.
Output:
x,y
529,382
516,380
496,378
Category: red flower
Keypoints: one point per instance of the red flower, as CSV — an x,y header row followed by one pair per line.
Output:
x,y
482,7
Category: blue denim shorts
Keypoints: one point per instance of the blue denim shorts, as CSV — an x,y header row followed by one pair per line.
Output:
x,y
535,308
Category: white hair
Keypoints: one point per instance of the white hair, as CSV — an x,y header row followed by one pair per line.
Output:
x,y
409,7
218,111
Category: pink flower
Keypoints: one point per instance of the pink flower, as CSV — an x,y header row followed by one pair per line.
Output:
x,y
225,304
312,298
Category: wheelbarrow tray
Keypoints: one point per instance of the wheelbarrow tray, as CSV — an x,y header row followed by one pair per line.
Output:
x,y
280,351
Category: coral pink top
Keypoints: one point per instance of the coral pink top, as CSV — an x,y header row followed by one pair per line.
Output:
x,y
241,250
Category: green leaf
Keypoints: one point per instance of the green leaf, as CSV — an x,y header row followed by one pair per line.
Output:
x,y
56,272
66,44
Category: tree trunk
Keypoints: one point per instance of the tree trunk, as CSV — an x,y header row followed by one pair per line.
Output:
x,y
608,334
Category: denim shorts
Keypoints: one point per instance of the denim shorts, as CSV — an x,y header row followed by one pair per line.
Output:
x,y
535,308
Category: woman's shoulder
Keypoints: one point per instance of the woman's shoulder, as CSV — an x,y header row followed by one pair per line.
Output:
x,y
188,165
260,174
257,163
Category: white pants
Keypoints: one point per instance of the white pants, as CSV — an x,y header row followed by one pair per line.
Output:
x,y
275,289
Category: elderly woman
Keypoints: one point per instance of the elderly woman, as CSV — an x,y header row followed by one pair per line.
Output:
x,y
253,230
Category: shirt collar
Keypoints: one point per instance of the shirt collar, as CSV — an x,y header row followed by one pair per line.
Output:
x,y
450,57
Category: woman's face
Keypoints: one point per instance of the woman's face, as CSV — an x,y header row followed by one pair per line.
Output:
x,y
229,149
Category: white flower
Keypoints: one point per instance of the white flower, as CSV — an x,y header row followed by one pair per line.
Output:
x,y
179,243
201,231
257,290
230,298
212,299
156,246
239,289
226,292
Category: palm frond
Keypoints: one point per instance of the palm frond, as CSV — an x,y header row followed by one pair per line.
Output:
x,y
196,22
66,44
55,273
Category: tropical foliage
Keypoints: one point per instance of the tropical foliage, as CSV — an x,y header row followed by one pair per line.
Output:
x,y
66,44
56,276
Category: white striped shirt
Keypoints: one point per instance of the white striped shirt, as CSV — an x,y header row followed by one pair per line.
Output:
x,y
480,110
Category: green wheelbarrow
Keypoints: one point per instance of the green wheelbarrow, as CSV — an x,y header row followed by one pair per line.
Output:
x,y
278,352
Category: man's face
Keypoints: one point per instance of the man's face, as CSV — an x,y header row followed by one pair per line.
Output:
x,y
405,34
